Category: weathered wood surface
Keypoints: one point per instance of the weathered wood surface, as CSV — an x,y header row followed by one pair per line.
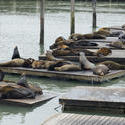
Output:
x,y
29,102
94,98
78,119
73,75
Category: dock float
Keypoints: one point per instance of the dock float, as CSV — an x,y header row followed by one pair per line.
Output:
x,y
94,99
73,75
78,119
29,102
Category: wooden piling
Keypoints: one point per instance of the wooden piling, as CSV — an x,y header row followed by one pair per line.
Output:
x,y
42,10
72,16
94,13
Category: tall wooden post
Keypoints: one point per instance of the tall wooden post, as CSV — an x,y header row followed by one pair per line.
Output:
x,y
72,17
42,10
94,13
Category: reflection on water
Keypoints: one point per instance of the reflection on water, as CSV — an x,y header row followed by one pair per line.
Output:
x,y
19,25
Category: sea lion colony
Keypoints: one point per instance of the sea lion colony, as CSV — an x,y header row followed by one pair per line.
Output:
x,y
72,47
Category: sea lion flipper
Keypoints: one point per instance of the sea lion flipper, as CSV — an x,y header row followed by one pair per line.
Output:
x,y
15,53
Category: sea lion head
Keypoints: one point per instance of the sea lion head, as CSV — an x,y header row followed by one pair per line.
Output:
x,y
100,70
104,52
59,39
23,81
15,53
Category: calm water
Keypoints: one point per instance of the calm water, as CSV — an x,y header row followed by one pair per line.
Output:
x,y
19,25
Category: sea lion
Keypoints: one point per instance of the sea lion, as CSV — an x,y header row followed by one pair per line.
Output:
x,y
16,53
123,26
103,32
103,52
50,56
117,44
1,75
14,91
122,37
113,65
100,70
23,81
84,62
77,37
38,64
68,67
18,62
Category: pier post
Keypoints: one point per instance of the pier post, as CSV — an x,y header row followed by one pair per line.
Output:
x,y
94,14
42,10
72,17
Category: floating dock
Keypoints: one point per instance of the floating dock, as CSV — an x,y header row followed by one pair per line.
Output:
x,y
78,119
94,99
73,75
29,102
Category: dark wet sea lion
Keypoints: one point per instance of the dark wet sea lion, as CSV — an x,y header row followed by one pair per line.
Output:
x,y
122,37
68,67
84,62
16,53
13,91
113,65
100,70
1,75
103,52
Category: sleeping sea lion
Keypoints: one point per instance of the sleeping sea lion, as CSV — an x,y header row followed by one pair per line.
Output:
x,y
68,67
100,70
59,39
113,65
103,52
84,62
18,62
15,53
14,91
103,32
38,64
117,44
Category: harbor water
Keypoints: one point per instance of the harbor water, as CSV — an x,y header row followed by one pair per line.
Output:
x,y
20,25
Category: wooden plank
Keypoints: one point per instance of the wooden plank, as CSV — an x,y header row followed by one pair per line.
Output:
x,y
79,119
29,102
76,75
95,98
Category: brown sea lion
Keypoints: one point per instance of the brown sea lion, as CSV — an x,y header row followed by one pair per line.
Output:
x,y
103,52
38,64
68,67
113,65
77,37
16,53
18,62
84,62
100,70
117,44
103,32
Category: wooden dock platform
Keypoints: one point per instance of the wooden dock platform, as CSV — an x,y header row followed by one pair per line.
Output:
x,y
76,75
29,102
78,119
94,99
